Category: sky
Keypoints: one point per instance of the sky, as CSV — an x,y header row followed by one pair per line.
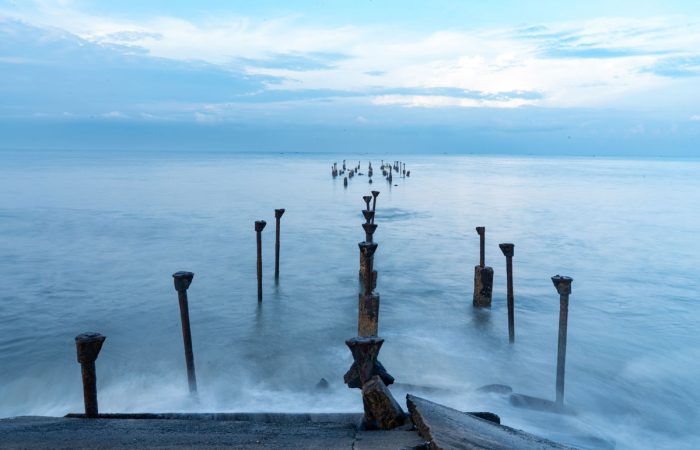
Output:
x,y
538,77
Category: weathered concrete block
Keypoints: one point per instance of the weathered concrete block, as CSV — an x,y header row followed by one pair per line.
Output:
x,y
352,376
365,365
483,286
368,316
382,411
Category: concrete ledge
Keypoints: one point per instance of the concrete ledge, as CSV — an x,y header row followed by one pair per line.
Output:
x,y
281,418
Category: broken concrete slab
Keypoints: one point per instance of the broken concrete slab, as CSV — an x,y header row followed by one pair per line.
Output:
x,y
382,411
446,428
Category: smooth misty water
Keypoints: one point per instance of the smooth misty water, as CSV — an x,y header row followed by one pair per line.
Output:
x,y
88,242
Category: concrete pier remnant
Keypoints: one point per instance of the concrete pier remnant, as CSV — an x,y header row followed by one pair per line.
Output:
x,y
88,346
483,275
259,227
382,411
182,281
368,310
278,215
508,251
563,286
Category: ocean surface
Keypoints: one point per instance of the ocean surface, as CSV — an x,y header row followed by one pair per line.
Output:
x,y
89,240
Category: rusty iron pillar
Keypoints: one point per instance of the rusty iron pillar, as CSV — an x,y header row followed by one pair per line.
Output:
x,y
369,228
563,286
368,309
508,251
259,226
278,216
375,194
481,231
367,199
182,282
483,275
88,346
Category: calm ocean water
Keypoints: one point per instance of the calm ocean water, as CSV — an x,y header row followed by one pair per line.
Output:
x,y
88,242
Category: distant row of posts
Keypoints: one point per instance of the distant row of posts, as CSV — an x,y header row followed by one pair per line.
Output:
x,y
483,289
386,168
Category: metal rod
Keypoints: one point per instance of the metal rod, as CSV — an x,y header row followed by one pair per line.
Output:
x,y
259,226
563,286
508,251
88,346
182,282
482,245
375,194
278,216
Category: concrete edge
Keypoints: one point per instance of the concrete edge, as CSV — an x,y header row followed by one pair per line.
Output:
x,y
342,418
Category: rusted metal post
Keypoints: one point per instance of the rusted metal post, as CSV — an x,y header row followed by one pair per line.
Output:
x,y
482,245
259,226
278,216
368,311
483,275
182,281
375,194
367,199
88,346
563,286
508,251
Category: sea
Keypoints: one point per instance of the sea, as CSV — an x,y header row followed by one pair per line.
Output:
x,y
89,241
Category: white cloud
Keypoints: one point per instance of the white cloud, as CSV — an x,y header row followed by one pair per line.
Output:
x,y
695,118
113,115
602,62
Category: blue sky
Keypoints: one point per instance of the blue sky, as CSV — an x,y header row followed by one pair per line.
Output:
x,y
462,76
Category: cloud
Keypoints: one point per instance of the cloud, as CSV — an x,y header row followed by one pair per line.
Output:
x,y
677,66
168,65
114,115
695,118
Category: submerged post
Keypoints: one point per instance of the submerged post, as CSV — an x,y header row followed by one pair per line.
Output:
x,y
182,282
508,251
563,286
278,216
483,275
259,226
88,346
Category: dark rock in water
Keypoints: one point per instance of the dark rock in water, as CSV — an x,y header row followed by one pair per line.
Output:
x,y
538,404
323,384
491,417
496,389
382,411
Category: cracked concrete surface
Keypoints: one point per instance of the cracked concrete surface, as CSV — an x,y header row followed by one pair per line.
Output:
x,y
256,433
